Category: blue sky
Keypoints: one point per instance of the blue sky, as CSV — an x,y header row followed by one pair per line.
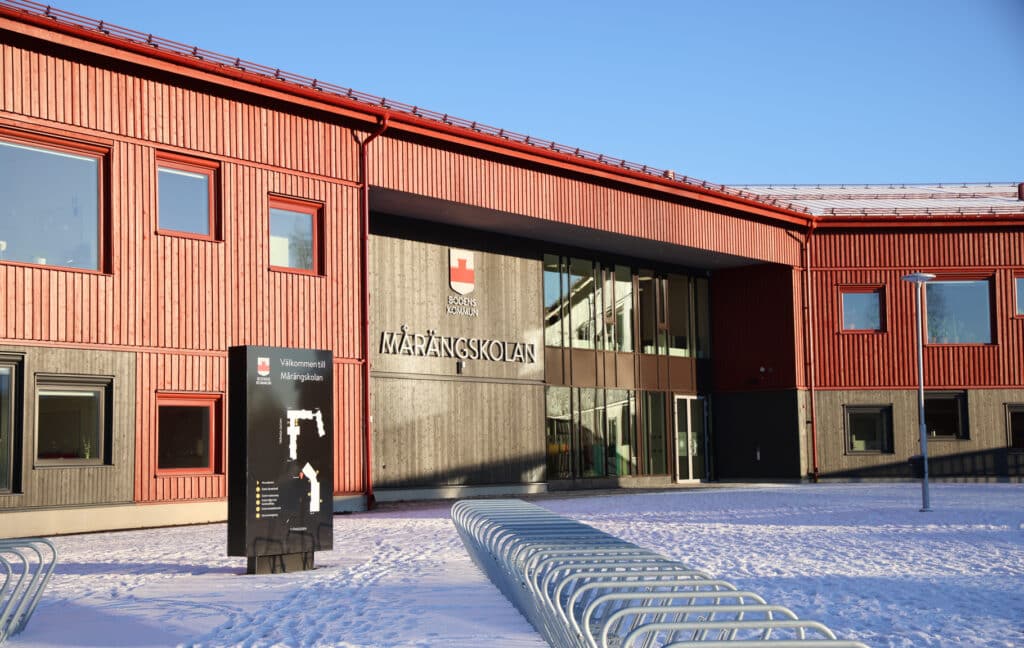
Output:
x,y
733,91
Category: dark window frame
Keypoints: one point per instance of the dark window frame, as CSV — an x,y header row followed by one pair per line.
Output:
x,y
16,363
214,403
1011,409
311,208
57,143
887,442
103,387
962,423
878,289
189,164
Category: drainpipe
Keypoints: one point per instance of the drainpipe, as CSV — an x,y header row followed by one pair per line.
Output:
x,y
809,351
364,264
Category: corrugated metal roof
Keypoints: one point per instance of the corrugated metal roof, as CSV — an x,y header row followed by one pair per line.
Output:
x,y
895,199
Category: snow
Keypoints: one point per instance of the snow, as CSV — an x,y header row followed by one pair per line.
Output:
x,y
860,558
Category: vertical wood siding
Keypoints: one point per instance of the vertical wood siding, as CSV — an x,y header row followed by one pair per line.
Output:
x,y
888,359
178,302
494,184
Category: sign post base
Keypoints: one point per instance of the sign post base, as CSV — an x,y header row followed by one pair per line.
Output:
x,y
280,563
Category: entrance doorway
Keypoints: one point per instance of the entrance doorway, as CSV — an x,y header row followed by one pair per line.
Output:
x,y
690,418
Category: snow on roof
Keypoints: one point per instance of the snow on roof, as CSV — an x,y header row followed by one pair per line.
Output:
x,y
896,199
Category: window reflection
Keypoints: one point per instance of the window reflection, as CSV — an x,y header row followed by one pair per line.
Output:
x,y
583,299
959,312
623,308
678,315
50,214
595,306
555,307
6,413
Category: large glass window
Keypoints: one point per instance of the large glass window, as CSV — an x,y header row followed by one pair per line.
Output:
x,y
652,336
558,429
869,428
679,338
619,407
71,423
294,236
185,191
187,433
590,428
862,309
590,432
654,444
583,299
959,311
555,308
50,211
7,396
1019,285
945,415
623,308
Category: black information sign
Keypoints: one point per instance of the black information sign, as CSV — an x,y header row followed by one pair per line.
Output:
x,y
280,456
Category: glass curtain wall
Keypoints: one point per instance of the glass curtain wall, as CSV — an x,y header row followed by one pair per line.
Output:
x,y
590,432
605,307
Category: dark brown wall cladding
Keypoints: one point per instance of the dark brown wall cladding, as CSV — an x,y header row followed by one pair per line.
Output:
x,y
52,484
756,328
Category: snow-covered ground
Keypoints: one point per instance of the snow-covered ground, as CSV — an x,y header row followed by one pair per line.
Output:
x,y
859,557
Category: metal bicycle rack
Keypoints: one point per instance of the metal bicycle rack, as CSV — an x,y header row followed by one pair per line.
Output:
x,y
581,587
26,565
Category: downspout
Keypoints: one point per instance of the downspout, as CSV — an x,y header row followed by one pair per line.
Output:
x,y
364,264
809,351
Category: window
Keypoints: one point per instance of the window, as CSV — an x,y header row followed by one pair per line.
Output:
x,y
585,304
959,311
185,190
869,428
1015,426
863,309
555,308
945,415
51,204
1018,283
9,369
72,424
188,434
678,289
294,235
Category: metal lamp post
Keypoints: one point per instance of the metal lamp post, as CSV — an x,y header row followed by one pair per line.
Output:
x,y
921,278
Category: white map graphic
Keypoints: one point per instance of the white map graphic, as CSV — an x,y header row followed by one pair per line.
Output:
x,y
308,471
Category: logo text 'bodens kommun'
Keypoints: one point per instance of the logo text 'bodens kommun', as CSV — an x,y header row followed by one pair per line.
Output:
x,y
462,280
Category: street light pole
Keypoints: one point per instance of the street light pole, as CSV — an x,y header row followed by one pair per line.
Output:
x,y
920,279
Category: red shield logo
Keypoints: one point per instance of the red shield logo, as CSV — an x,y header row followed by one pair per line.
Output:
x,y
263,366
461,275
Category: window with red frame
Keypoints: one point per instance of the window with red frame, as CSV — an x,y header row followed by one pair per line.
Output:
x,y
186,195
52,202
1018,283
188,432
863,308
295,235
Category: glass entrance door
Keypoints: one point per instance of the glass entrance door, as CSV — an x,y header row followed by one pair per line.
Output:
x,y
690,432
